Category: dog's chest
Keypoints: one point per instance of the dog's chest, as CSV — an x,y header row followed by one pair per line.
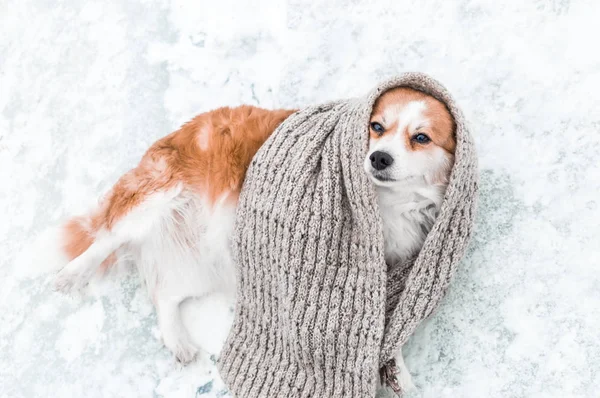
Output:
x,y
406,221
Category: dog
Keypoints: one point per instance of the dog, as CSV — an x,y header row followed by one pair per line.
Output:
x,y
411,154
174,213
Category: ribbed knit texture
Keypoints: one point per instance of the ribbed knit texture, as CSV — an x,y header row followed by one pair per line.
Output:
x,y
318,312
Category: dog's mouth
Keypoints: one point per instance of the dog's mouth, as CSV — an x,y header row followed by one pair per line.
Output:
x,y
383,177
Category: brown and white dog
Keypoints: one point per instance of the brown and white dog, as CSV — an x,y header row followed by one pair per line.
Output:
x,y
174,213
411,154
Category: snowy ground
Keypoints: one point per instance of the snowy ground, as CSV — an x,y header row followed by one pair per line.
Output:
x,y
86,87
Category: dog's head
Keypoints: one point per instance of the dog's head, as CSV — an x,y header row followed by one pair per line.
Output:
x,y
412,138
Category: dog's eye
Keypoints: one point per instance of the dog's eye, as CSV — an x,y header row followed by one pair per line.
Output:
x,y
378,128
421,138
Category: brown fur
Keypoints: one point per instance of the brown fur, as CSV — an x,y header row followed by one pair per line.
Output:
x,y
78,237
209,154
441,129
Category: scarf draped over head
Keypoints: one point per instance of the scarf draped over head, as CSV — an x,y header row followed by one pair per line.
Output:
x,y
318,313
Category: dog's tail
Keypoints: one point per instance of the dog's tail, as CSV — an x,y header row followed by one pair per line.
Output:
x,y
55,247
86,252
78,234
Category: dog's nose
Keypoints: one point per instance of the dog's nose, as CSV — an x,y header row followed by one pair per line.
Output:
x,y
380,160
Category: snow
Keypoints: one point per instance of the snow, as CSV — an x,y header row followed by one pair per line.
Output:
x,y
86,87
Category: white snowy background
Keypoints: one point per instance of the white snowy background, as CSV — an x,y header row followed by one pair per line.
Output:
x,y
87,86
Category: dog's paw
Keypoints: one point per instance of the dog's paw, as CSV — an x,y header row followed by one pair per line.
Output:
x,y
65,282
405,381
186,355
184,350
69,282
74,276
403,376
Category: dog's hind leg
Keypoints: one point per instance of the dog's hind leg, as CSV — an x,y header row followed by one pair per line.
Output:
x,y
174,334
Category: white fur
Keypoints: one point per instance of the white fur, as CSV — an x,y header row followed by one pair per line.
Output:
x,y
408,116
404,377
204,137
181,249
408,211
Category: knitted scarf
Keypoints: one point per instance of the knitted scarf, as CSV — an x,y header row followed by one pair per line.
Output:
x,y
318,312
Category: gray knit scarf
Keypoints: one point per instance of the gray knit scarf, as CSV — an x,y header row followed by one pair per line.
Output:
x,y
318,313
